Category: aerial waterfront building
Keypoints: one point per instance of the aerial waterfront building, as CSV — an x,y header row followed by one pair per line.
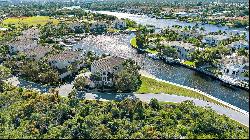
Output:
x,y
182,48
214,39
106,67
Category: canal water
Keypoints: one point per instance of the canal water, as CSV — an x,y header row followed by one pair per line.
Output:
x,y
162,23
119,45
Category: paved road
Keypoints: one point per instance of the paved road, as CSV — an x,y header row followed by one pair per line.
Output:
x,y
240,117
65,89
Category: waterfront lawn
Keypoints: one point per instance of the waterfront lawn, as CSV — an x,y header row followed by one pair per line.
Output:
x,y
150,85
113,30
133,42
35,20
132,29
151,51
189,63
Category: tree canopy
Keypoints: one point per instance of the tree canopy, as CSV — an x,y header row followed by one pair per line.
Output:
x,y
128,80
29,114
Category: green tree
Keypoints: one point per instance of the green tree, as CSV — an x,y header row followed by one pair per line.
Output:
x,y
243,52
169,52
80,83
128,80
4,73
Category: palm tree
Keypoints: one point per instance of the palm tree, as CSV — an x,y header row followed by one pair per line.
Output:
x,y
202,29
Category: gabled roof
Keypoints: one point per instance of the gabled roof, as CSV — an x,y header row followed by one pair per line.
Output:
x,y
65,56
107,62
218,37
180,44
38,50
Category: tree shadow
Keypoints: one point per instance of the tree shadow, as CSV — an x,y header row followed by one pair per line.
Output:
x,y
31,85
106,96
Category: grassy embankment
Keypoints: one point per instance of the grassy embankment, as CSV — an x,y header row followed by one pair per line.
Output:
x,y
150,85
189,63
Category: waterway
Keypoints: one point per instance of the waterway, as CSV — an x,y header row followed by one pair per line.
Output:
x,y
119,45
163,23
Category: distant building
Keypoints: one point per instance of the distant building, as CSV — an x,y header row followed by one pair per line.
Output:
x,y
214,39
119,24
38,52
64,59
4,29
106,67
28,40
239,44
234,66
22,46
71,8
181,14
30,34
182,48
187,33
77,27
98,27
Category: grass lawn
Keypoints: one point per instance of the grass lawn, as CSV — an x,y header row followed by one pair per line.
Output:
x,y
153,86
189,63
133,42
132,29
112,30
151,51
35,20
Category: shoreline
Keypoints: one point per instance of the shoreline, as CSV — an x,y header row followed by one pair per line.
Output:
x,y
213,76
150,16
144,73
198,70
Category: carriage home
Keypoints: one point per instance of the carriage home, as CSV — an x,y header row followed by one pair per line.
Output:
x,y
214,40
106,68
38,52
187,33
22,46
29,34
183,49
239,44
234,66
27,40
64,59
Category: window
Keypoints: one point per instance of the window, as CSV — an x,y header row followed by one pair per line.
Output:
x,y
104,78
233,72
